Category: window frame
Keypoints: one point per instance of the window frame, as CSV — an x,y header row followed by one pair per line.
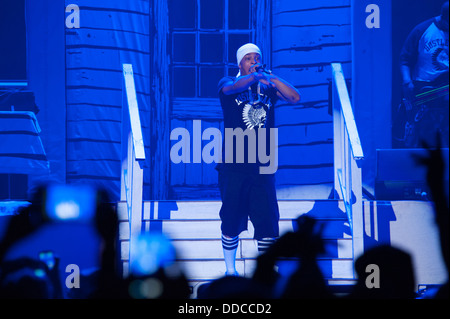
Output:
x,y
228,62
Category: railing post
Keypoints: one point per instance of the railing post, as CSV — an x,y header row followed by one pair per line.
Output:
x,y
133,158
347,155
135,172
337,141
357,210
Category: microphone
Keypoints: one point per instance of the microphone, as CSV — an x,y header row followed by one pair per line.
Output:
x,y
263,69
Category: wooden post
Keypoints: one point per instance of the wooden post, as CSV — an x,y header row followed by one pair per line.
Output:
x,y
357,210
160,102
263,33
347,159
132,161
337,141
136,176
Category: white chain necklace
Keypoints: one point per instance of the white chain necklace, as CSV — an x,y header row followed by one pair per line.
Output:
x,y
258,91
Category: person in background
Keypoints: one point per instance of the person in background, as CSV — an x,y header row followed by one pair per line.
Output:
x,y
424,70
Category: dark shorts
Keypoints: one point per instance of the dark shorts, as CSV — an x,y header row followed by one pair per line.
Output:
x,y
247,196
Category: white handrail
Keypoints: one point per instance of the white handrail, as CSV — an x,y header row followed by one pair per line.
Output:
x,y
133,157
349,119
133,109
348,155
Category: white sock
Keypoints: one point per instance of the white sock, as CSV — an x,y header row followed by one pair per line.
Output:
x,y
230,245
265,243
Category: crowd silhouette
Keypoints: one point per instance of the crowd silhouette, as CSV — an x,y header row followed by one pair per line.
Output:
x,y
31,278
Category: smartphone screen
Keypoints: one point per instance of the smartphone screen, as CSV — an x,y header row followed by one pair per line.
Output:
x,y
48,257
70,203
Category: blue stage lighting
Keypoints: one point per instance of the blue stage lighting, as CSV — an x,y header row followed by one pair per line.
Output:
x,y
150,252
70,203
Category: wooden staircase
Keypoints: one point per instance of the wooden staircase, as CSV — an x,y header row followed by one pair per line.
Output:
x,y
194,228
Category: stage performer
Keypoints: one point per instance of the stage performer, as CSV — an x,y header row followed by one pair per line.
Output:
x,y
248,102
424,69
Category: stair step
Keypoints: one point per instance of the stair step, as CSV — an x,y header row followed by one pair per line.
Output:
x,y
208,263
290,209
207,269
212,249
210,229
330,267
